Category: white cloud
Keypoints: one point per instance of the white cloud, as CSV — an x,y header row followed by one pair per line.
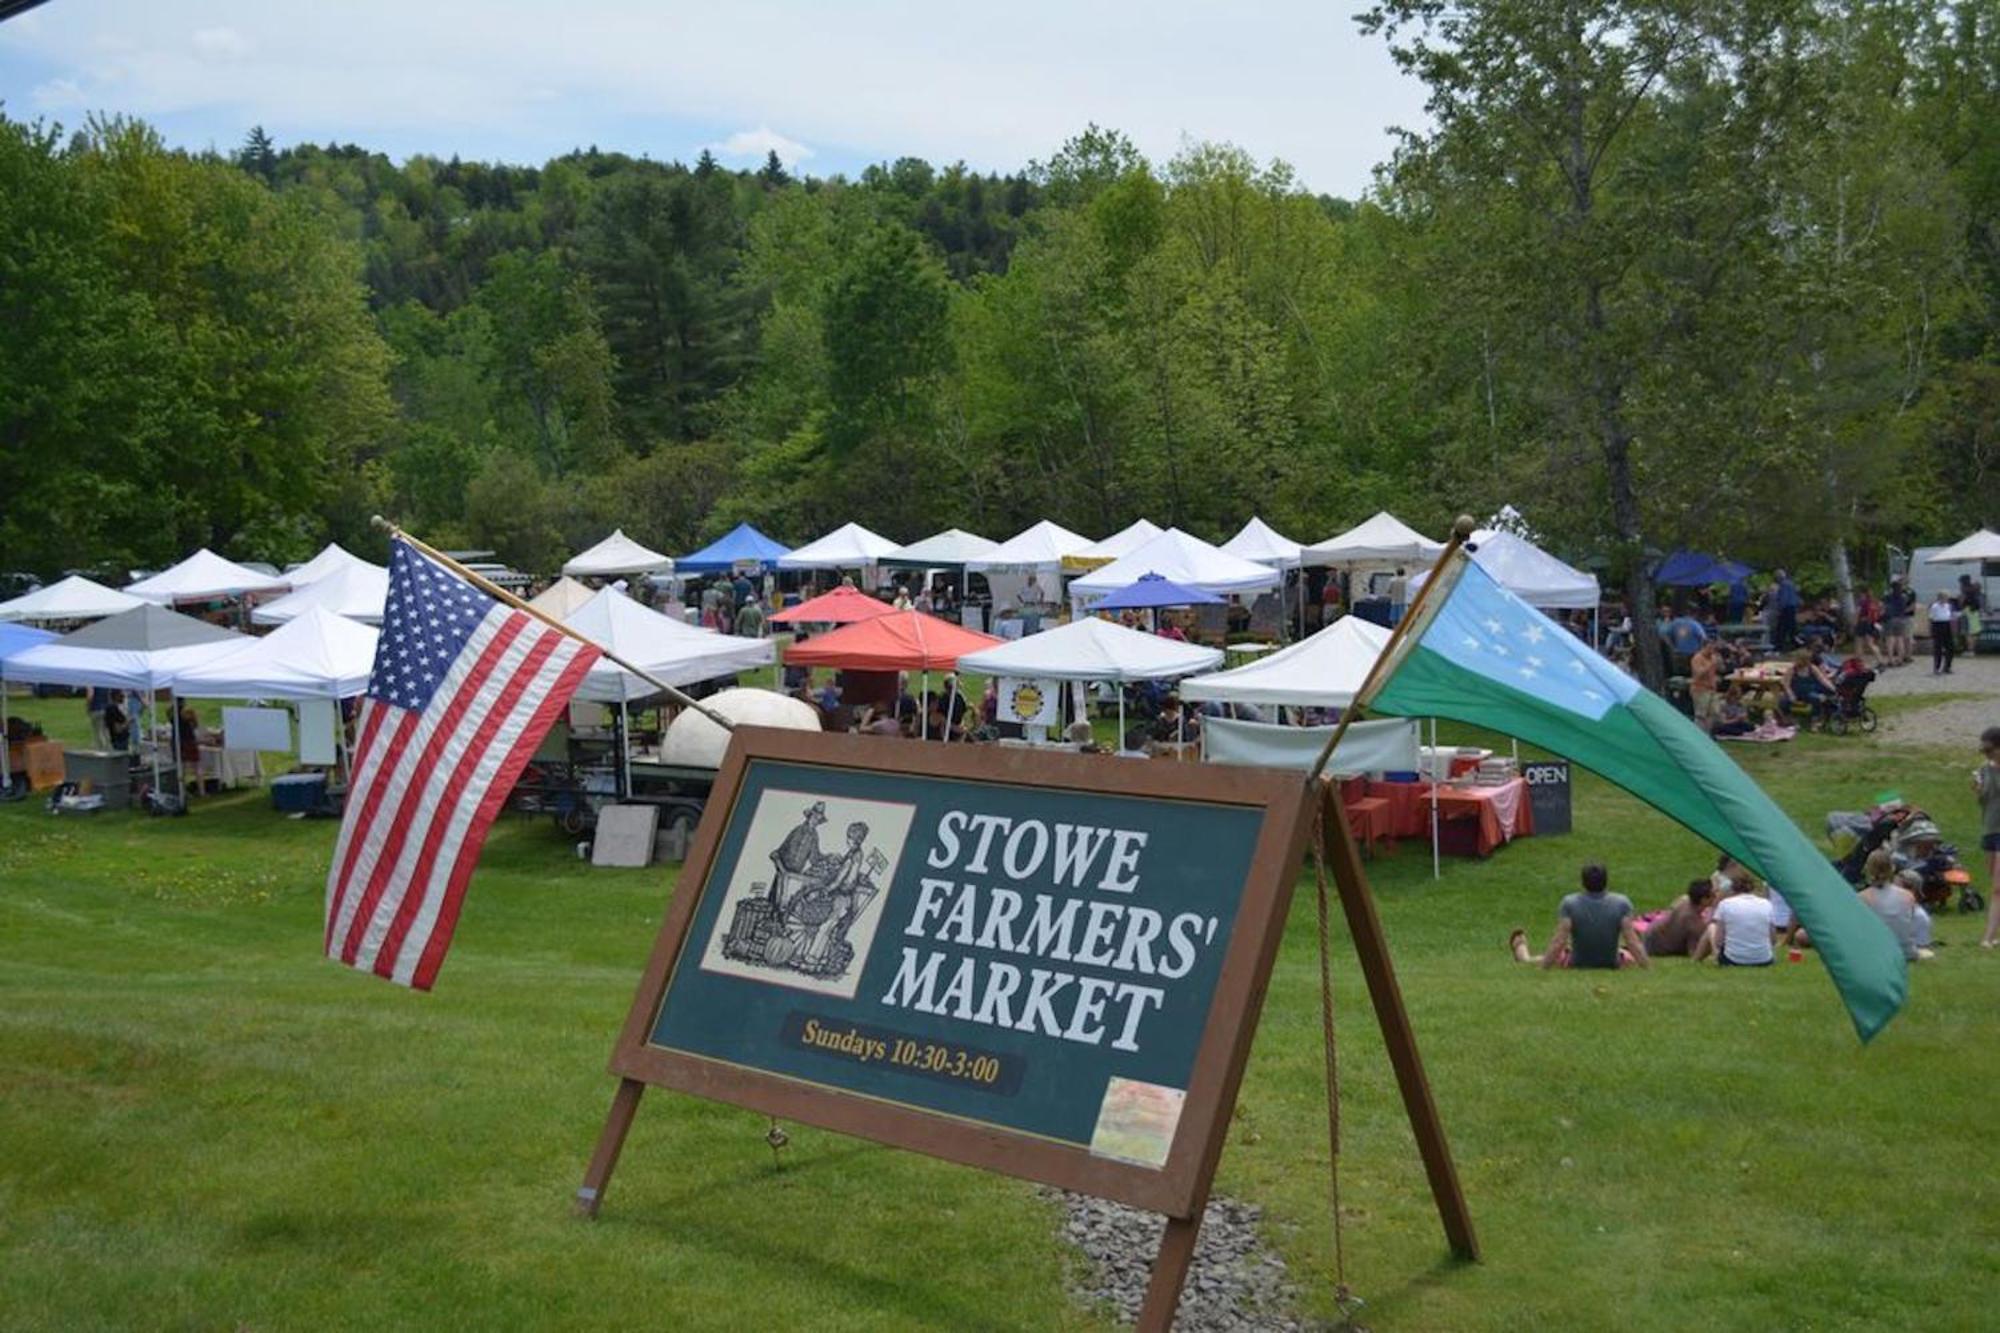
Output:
x,y
60,95
757,144
865,81
221,44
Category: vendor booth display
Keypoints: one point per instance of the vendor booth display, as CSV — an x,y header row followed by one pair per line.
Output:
x,y
559,598
1183,558
1259,541
1152,591
1530,573
73,598
142,650
1094,649
204,577
842,606
614,556
315,655
743,548
669,649
950,549
1324,671
1692,569
332,558
1040,549
359,591
849,546
1382,540
25,755
1980,547
1121,543
899,641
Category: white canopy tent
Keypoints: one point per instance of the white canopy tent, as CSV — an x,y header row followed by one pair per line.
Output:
x,y
359,591
1324,671
950,549
1181,558
676,653
1123,542
73,598
1529,572
849,546
1381,540
140,650
1094,649
1036,550
202,577
315,655
1259,541
615,555
562,597
1980,547
333,558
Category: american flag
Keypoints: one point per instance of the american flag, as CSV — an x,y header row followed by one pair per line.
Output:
x,y
463,689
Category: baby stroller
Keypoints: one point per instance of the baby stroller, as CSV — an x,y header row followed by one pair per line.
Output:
x,y
1849,706
1920,847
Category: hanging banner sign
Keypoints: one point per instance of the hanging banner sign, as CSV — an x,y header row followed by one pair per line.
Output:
x,y
1042,964
1029,700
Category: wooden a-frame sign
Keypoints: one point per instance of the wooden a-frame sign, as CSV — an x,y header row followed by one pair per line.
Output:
x,y
1042,964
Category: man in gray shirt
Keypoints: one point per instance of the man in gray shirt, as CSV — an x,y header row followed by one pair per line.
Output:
x,y
1590,927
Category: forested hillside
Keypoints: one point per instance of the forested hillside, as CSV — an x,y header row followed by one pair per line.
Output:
x,y
1727,275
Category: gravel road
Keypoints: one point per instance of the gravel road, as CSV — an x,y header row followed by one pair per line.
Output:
x,y
1954,723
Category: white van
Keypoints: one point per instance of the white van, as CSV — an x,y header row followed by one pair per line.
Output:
x,y
1927,579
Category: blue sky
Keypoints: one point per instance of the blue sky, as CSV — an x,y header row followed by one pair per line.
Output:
x,y
832,86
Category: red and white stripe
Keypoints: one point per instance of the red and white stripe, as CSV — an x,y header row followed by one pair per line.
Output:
x,y
427,786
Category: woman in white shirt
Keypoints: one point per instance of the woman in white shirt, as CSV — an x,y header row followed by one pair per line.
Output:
x,y
1739,932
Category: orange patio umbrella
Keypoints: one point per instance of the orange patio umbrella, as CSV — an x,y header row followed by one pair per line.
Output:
x,y
842,606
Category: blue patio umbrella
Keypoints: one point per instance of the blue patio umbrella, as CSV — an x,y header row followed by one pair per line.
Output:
x,y
1692,569
1149,591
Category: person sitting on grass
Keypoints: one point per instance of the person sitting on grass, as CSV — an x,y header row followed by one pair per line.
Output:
x,y
1591,927
1739,930
1732,715
1809,684
1674,932
1890,896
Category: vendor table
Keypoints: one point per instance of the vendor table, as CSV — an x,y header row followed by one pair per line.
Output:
x,y
39,760
1501,812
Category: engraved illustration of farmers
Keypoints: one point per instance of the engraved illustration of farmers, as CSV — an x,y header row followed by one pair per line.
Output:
x,y
836,886
798,853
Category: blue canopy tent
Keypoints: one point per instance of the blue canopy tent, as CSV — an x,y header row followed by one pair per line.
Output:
x,y
1149,591
743,545
1692,569
13,639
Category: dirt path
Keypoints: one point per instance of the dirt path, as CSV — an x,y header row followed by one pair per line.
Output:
x,y
1954,722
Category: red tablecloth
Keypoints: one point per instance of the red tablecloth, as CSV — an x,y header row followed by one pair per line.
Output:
x,y
1502,812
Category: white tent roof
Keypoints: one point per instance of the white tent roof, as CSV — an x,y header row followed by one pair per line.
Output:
x,y
1259,541
331,560
1093,649
617,554
359,591
1039,549
140,649
1981,546
1383,539
73,598
849,546
1324,671
1122,542
561,597
315,655
677,653
1529,572
202,577
1183,558
953,546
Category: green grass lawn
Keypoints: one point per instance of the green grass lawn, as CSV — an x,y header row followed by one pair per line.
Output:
x,y
204,1125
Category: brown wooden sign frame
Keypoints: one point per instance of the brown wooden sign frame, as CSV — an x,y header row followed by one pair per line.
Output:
x,y
1180,1188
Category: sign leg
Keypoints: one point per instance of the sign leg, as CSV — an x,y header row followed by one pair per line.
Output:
x,y
618,1123
1373,950
1170,1266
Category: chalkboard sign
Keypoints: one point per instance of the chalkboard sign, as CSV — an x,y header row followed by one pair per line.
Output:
x,y
1042,964
1548,795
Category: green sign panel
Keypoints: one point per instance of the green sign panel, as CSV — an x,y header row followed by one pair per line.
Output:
x,y
1036,959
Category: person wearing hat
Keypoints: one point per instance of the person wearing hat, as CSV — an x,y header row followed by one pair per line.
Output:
x,y
800,849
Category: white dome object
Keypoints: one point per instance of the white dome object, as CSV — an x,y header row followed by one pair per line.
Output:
x,y
695,742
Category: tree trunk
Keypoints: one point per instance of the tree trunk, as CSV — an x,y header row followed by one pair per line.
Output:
x,y
1843,579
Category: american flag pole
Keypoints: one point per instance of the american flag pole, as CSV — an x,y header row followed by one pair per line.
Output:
x,y
500,594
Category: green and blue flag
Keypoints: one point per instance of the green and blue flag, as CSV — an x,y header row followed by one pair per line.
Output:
x,y
1478,654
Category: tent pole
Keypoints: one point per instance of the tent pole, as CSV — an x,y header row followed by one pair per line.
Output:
x,y
1121,713
924,709
625,747
152,731
6,751
951,706
1437,868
